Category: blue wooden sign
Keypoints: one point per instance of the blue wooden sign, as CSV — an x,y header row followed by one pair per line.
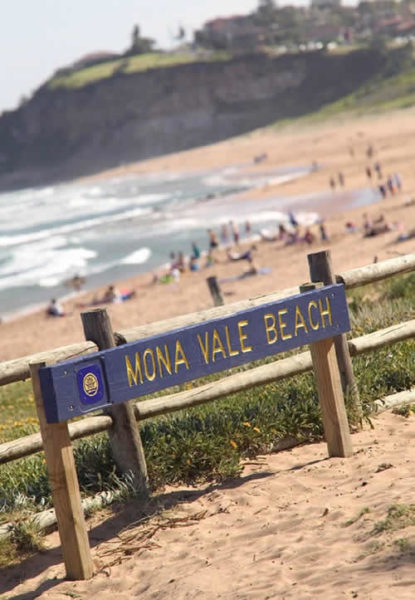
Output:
x,y
119,374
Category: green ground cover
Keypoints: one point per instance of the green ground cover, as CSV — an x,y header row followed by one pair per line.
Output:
x,y
392,90
208,442
133,64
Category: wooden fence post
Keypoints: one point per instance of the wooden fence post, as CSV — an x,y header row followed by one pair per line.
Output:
x,y
124,435
321,270
215,290
65,489
330,394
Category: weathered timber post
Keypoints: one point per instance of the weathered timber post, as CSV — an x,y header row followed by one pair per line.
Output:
x,y
330,394
215,290
321,270
124,435
65,489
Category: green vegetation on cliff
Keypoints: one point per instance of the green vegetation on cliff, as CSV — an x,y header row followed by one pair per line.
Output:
x,y
78,78
392,89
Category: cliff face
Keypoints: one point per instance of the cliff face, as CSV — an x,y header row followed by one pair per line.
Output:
x,y
66,133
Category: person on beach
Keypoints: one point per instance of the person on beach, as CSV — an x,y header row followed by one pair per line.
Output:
x,y
235,232
309,236
293,221
378,169
195,251
390,185
76,282
332,183
367,223
350,227
247,255
111,295
213,241
340,178
54,309
181,262
369,173
282,232
248,229
382,190
194,264
224,234
323,232
397,181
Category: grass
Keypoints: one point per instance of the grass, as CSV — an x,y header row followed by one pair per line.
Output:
x,y
398,517
393,89
24,539
126,66
365,510
208,442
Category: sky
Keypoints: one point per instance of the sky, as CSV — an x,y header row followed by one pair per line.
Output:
x,y
39,36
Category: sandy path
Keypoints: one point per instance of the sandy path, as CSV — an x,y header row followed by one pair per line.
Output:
x,y
278,532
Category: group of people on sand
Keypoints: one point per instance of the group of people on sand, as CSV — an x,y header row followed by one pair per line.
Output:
x,y
388,186
293,233
339,180
228,236
111,295
374,226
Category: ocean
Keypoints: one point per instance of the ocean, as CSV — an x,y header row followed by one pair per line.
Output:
x,y
110,229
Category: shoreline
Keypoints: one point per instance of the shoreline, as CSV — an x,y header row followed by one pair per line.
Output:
x,y
329,144
310,218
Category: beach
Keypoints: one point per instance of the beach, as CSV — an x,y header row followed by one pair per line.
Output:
x,y
336,146
295,524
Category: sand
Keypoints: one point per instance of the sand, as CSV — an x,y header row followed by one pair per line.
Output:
x,y
329,144
295,525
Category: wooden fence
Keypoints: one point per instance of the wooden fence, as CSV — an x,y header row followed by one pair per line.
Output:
x,y
320,270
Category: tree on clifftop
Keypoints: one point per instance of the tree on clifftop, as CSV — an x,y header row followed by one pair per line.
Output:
x,y
139,45
266,12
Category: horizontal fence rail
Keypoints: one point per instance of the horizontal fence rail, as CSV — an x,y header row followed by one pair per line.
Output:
x,y
275,371
18,369
377,271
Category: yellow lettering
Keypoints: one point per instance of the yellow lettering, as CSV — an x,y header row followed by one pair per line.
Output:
x,y
270,328
134,374
148,352
204,347
180,357
299,321
325,313
217,346
243,336
231,351
163,360
314,325
283,324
